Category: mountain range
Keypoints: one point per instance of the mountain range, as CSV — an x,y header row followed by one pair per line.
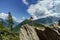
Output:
x,y
48,20
5,23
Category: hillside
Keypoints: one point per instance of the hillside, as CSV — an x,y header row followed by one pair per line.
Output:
x,y
32,23
6,34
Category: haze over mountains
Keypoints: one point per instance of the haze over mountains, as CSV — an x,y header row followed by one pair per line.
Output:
x,y
48,20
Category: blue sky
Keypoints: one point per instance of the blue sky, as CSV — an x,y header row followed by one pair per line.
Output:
x,y
16,7
22,9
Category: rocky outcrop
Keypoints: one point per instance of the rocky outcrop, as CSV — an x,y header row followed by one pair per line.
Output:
x,y
28,33
48,34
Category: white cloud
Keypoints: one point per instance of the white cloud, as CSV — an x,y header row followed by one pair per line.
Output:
x,y
44,9
4,16
25,2
20,20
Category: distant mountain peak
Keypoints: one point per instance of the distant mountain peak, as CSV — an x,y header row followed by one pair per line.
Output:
x,y
47,20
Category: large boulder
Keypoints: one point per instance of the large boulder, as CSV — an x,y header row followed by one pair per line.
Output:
x,y
28,33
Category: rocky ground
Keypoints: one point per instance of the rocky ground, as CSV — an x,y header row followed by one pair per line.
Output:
x,y
28,32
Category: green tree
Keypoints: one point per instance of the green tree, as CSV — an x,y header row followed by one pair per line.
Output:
x,y
10,21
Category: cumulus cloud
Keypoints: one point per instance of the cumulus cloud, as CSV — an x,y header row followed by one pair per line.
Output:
x,y
25,2
44,9
4,16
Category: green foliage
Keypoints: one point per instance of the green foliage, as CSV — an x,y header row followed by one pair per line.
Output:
x,y
9,36
26,22
6,34
2,27
36,24
10,21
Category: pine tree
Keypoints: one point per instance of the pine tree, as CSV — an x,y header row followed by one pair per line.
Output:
x,y
10,21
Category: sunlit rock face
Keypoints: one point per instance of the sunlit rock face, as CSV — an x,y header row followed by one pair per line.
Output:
x,y
28,33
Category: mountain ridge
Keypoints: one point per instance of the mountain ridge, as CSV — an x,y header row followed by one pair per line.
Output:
x,y
48,20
